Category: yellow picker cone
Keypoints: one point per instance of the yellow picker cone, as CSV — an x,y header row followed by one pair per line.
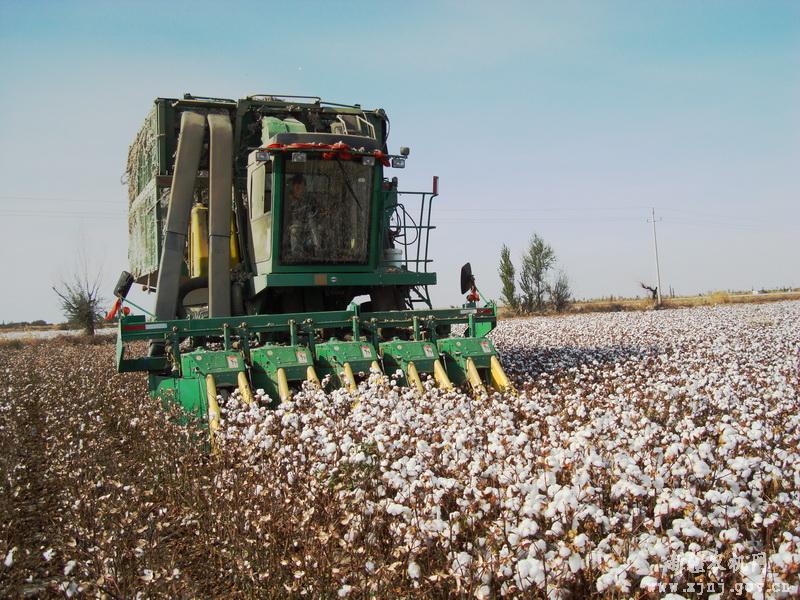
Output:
x,y
311,376
413,377
244,388
213,412
283,386
440,375
349,378
473,377
499,378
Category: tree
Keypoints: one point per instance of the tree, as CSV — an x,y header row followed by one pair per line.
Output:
x,y
508,293
80,300
653,290
560,292
536,262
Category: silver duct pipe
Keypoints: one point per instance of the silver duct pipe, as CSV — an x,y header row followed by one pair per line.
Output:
x,y
219,215
187,161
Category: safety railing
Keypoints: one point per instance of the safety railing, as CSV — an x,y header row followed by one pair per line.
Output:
x,y
410,227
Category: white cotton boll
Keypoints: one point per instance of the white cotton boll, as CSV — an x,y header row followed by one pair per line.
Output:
x,y
413,570
649,583
344,591
729,535
483,592
580,541
460,563
771,520
395,509
10,557
616,578
575,562
784,560
48,554
529,571
753,570
700,468
68,567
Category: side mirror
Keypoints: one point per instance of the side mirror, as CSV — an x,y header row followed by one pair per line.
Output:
x,y
124,284
467,278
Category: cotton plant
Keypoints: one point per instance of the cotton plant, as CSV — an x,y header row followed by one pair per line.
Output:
x,y
642,448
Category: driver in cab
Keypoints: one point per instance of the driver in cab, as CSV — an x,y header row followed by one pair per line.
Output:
x,y
303,228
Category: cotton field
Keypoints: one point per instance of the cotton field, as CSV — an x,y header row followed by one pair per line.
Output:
x,y
645,454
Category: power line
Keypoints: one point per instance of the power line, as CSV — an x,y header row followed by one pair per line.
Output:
x,y
62,215
559,209
60,200
537,220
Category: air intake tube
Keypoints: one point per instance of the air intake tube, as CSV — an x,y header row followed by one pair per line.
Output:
x,y
219,215
187,161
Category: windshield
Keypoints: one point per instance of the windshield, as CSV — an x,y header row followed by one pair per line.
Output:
x,y
326,211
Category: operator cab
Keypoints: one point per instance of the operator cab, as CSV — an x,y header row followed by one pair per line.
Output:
x,y
312,197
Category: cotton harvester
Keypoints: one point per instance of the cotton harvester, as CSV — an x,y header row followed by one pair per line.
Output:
x,y
257,223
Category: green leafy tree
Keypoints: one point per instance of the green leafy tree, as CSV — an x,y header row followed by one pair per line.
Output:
x,y
508,293
536,262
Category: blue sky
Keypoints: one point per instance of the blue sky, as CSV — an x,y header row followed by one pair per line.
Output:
x,y
567,119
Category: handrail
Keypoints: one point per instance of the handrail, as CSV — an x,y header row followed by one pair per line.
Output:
x,y
256,96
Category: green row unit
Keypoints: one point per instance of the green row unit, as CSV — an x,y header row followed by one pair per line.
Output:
x,y
189,390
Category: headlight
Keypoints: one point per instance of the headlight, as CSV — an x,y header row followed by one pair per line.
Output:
x,y
398,163
368,161
298,157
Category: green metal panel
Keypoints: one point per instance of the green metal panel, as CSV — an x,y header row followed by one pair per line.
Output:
x,y
456,351
375,237
224,365
277,213
398,353
332,356
294,360
266,361
188,394
270,126
315,277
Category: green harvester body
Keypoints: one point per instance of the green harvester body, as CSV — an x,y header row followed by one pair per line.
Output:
x,y
266,281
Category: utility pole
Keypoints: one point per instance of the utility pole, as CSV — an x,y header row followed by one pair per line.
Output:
x,y
655,247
